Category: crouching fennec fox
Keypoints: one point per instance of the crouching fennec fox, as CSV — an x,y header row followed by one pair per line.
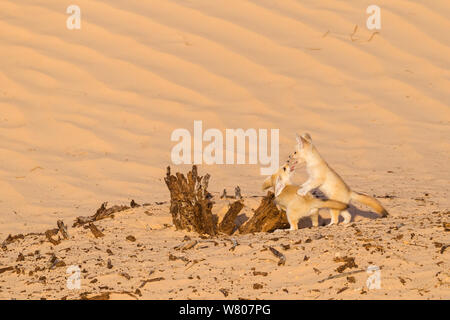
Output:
x,y
327,180
296,206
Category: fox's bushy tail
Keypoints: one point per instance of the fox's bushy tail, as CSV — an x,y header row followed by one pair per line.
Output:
x,y
331,204
371,202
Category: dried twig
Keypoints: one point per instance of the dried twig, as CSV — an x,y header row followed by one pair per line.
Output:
x,y
63,229
151,280
372,35
235,244
6,269
186,246
237,193
50,233
353,33
341,275
101,213
278,254
95,231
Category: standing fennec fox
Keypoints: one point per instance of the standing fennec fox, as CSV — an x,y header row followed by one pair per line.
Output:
x,y
327,180
297,206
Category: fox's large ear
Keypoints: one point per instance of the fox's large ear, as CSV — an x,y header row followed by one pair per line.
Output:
x,y
302,142
307,137
279,186
267,183
298,138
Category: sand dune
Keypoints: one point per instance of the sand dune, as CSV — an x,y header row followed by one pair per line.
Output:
x,y
87,114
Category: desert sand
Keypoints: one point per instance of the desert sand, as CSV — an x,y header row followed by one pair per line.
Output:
x,y
87,117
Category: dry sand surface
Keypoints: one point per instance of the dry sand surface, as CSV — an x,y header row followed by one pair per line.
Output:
x,y
86,117
141,256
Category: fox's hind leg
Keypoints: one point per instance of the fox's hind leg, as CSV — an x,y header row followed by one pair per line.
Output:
x,y
334,216
347,216
315,218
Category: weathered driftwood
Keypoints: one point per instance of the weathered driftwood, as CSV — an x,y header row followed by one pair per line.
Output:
x,y
63,229
267,217
224,194
101,213
234,244
50,233
6,269
237,193
186,245
95,231
191,208
190,202
228,224
278,254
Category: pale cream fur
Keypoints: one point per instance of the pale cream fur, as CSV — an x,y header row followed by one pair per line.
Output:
x,y
296,206
322,176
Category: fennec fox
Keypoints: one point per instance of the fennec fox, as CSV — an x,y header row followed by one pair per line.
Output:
x,y
296,206
330,183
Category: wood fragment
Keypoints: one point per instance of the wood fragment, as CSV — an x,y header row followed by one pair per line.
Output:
x,y
2,270
224,194
191,208
257,286
95,231
62,229
133,204
102,213
224,292
131,238
151,280
49,235
267,217
234,244
195,261
342,290
341,275
173,258
349,263
102,296
55,262
190,202
237,193
446,226
125,275
278,254
228,225
10,239
187,245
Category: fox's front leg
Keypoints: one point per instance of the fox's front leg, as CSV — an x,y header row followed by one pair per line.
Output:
x,y
309,185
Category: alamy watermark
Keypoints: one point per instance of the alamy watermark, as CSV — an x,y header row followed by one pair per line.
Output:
x,y
74,20
74,277
226,151
374,280
374,20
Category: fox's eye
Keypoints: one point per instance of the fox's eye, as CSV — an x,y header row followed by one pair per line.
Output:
x,y
284,169
295,152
